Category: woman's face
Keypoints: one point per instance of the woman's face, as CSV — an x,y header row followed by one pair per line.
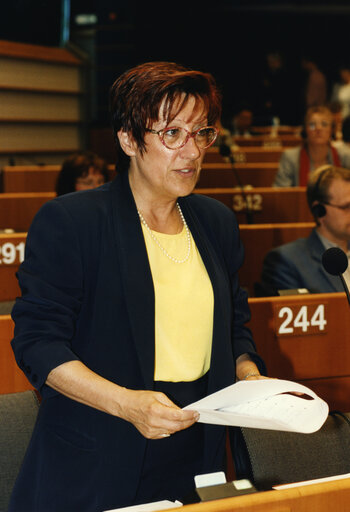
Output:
x,y
92,179
319,129
162,174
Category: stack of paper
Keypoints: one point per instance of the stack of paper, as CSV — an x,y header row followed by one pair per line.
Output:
x,y
267,404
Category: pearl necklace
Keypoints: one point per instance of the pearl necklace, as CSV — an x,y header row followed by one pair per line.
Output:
x,y
155,239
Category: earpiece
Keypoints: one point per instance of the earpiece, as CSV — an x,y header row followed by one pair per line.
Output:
x,y
318,210
315,192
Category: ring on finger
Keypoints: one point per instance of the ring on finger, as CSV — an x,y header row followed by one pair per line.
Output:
x,y
166,434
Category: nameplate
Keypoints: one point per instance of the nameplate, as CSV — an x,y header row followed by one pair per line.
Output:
x,y
300,320
251,202
11,253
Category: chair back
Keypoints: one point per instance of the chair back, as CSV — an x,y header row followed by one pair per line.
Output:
x,y
18,412
284,457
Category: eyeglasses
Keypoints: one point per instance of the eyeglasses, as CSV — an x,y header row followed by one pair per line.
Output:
x,y
176,138
322,124
344,207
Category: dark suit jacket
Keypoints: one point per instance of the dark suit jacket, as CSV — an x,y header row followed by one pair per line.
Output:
x,y
87,294
298,264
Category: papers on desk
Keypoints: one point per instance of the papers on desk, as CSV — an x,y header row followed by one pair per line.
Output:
x,y
265,404
311,482
149,507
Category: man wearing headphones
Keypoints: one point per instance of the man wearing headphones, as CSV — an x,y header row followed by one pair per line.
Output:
x,y
298,264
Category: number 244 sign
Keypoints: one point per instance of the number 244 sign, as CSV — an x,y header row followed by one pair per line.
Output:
x,y
300,320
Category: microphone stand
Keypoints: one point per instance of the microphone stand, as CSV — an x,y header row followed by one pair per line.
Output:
x,y
225,151
345,286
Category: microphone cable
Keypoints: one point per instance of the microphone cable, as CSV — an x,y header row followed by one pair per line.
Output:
x,y
225,152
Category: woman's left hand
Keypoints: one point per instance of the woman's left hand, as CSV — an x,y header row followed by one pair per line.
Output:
x,y
246,369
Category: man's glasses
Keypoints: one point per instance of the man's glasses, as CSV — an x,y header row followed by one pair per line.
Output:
x,y
176,138
344,207
322,124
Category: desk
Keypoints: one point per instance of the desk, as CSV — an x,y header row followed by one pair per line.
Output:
x,y
34,178
17,210
247,154
321,497
30,178
214,175
280,130
266,204
268,141
306,338
258,239
257,155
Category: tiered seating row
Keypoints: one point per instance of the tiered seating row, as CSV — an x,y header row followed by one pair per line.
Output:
x,y
265,204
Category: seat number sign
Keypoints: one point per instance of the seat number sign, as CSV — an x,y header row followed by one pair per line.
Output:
x,y
250,202
11,254
296,320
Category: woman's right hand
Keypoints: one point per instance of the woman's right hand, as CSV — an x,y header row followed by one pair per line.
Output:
x,y
153,414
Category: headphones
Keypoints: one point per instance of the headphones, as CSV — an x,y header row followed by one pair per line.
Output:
x,y
318,210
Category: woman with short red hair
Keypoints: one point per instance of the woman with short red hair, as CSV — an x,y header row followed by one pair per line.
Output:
x,y
131,309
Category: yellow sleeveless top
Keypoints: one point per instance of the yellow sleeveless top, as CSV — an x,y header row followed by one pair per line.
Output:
x,y
184,308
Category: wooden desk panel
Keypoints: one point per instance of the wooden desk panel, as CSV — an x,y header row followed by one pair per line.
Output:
x,y
258,239
306,338
17,210
280,130
321,497
34,178
12,379
268,141
212,155
247,154
222,176
257,154
265,204
253,150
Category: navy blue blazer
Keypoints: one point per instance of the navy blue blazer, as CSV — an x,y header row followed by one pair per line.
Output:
x,y
298,264
87,294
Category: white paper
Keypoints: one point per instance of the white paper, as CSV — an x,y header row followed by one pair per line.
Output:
x,y
264,404
149,507
209,479
310,482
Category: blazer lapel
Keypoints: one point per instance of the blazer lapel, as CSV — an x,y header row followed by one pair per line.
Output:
x,y
136,274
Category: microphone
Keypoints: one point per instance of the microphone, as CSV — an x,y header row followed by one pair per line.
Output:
x,y
225,151
335,262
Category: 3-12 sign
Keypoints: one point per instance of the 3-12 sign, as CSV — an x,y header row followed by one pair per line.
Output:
x,y
249,202
300,320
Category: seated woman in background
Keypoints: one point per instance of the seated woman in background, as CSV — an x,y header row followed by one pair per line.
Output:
x,y
81,171
297,163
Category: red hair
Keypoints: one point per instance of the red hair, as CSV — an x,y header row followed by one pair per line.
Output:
x,y
137,96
